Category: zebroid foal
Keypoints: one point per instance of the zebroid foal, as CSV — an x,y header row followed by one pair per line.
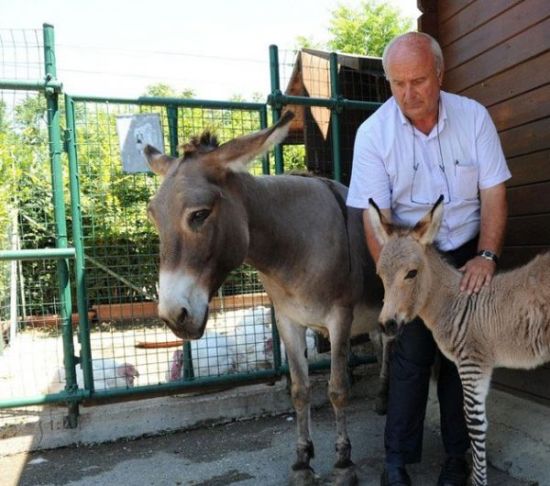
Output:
x,y
506,324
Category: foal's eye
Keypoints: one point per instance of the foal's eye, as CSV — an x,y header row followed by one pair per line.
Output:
x,y
197,218
411,274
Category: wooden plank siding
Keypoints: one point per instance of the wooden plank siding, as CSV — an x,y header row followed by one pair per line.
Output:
x,y
485,32
467,22
498,52
506,55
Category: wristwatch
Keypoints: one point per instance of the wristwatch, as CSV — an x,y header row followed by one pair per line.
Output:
x,y
488,255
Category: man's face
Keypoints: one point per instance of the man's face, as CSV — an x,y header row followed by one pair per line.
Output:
x,y
414,82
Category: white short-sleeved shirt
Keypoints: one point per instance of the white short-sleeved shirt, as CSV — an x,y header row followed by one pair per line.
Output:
x,y
461,155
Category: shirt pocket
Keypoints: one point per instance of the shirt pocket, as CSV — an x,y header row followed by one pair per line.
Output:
x,y
466,184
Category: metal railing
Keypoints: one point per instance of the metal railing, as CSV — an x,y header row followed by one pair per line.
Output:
x,y
67,141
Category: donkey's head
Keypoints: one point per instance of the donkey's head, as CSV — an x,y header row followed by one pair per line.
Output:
x,y
402,265
202,222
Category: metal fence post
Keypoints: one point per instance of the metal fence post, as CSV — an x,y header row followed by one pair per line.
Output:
x,y
55,150
77,234
263,124
172,115
335,117
275,103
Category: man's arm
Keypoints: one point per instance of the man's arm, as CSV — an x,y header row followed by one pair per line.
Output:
x,y
494,212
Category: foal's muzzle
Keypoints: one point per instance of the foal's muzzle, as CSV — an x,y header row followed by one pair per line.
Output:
x,y
390,328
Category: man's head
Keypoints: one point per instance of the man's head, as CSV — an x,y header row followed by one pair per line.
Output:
x,y
413,64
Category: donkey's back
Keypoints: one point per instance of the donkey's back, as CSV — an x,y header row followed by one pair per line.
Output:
x,y
326,261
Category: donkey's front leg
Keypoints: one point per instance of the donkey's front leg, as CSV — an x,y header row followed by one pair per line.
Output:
x,y
294,339
475,385
339,329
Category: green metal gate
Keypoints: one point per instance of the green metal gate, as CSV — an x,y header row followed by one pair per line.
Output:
x,y
120,252
98,331
31,172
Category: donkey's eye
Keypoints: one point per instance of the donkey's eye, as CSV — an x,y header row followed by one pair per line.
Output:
x,y
197,218
411,274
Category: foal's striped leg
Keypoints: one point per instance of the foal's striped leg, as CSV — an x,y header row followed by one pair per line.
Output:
x,y
475,384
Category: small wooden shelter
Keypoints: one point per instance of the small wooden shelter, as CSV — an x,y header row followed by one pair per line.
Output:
x,y
359,78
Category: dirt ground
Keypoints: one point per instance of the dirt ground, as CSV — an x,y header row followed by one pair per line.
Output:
x,y
247,452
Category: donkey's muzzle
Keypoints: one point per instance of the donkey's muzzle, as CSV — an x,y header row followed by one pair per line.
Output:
x,y
184,314
185,326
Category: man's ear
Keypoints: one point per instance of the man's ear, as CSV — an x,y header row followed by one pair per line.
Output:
x,y
381,227
158,162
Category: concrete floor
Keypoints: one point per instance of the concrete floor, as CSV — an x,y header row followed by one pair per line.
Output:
x,y
226,450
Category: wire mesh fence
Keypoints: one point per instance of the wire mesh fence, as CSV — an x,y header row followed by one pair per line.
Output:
x,y
129,347
21,54
34,314
31,349
121,246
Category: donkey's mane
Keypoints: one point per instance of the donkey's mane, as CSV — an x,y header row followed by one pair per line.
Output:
x,y
443,256
200,144
441,253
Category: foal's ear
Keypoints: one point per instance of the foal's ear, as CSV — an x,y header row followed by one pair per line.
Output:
x,y
236,153
158,162
382,227
427,228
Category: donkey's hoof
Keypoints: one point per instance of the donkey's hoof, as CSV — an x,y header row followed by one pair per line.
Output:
x,y
344,476
303,476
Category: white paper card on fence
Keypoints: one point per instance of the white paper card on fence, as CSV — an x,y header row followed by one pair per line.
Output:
x,y
134,132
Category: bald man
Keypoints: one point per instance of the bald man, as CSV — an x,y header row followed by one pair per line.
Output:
x,y
420,144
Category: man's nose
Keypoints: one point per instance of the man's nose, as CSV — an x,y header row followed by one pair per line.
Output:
x,y
409,92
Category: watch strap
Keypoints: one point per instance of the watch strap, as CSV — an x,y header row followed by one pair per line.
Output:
x,y
488,255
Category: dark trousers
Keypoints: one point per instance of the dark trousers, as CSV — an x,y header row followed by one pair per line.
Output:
x,y
411,359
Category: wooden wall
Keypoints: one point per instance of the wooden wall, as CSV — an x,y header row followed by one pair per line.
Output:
x,y
498,52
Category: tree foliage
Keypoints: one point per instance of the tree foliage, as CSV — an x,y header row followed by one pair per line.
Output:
x,y
25,191
166,91
364,30
367,29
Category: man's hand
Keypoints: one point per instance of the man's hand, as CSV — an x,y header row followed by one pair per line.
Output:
x,y
477,272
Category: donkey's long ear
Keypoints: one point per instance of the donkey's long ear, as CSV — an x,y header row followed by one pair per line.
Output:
x,y
159,162
382,228
427,228
236,153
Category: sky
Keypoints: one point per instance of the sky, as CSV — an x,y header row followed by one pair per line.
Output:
x,y
217,48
